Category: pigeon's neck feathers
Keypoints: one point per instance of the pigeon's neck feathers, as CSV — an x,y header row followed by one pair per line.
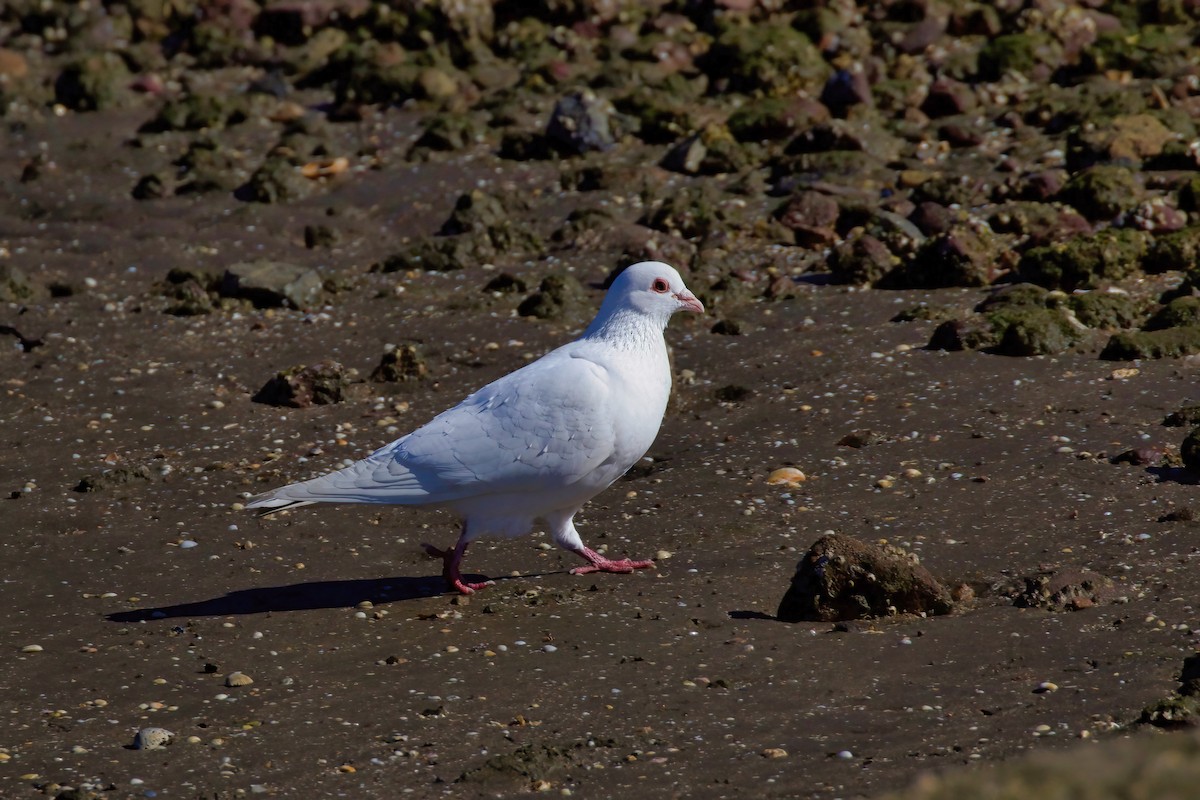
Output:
x,y
625,326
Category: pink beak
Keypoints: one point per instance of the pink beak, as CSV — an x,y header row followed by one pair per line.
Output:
x,y
689,301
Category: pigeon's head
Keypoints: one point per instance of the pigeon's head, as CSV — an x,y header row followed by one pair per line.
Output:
x,y
654,289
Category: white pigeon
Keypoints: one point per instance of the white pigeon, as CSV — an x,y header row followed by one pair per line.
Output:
x,y
538,443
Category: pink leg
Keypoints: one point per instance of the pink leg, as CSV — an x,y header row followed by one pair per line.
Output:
x,y
452,561
599,563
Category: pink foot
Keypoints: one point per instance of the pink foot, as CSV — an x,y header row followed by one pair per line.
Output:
x,y
451,559
601,564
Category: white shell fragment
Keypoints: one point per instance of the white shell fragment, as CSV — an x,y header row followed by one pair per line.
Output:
x,y
786,476
236,679
152,739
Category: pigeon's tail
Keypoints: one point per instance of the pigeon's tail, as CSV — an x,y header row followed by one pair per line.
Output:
x,y
270,503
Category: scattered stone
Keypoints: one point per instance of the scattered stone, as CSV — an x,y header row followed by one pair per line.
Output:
x,y
581,123
15,286
272,284
842,578
558,296
401,365
1066,588
118,476
862,438
323,383
1188,415
152,739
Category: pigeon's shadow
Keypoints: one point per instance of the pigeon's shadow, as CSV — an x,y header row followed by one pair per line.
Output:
x,y
1180,475
299,597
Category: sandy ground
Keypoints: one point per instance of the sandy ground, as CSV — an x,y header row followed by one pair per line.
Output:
x,y
370,680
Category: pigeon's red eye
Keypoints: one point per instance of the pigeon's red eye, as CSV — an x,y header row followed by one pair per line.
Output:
x,y
660,285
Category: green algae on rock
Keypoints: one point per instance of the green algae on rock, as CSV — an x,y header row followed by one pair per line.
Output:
x,y
1085,261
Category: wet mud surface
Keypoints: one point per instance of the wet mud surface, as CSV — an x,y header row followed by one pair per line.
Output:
x,y
168,351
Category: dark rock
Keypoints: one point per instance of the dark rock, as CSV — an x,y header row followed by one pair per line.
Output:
x,y
1043,185
709,152
505,283
812,216
1067,588
557,297
934,218
922,35
976,332
842,578
323,383
581,123
190,293
154,186
448,131
486,217
401,365
733,394
863,438
949,98
1188,415
272,284
320,236
727,327
1140,456
94,83
846,88
1176,711
277,180
1189,450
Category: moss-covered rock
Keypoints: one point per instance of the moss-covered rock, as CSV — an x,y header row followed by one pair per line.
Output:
x,y
1023,52
1180,312
963,256
658,116
1130,138
1036,332
1102,192
775,118
768,57
1106,310
1166,343
94,83
711,151
861,259
1176,250
1086,261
